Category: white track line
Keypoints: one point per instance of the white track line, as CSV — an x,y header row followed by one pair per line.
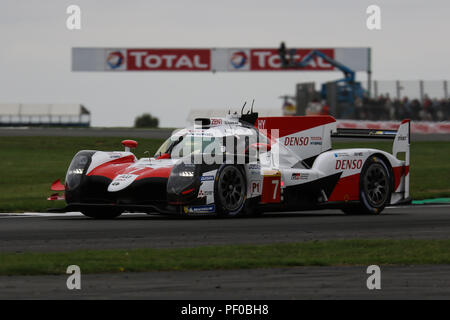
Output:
x,y
79,214
420,206
39,214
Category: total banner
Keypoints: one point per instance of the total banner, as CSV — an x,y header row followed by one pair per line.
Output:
x,y
210,59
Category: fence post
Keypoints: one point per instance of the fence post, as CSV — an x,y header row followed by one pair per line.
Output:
x,y
375,88
398,88
421,91
445,89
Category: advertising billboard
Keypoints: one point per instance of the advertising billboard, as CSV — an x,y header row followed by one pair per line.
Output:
x,y
210,59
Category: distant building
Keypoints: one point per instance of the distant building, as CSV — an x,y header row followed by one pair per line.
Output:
x,y
25,115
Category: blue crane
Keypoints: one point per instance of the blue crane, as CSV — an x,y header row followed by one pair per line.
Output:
x,y
347,88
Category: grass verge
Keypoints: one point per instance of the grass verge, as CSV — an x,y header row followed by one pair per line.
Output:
x,y
30,164
316,253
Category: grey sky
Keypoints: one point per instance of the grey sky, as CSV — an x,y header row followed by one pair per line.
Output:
x,y
35,50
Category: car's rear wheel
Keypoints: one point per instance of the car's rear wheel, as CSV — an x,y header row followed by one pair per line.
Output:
x,y
230,191
102,213
374,188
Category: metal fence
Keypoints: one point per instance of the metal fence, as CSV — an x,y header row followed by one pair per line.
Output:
x,y
397,99
412,89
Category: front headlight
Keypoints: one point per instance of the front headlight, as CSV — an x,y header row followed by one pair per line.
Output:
x,y
186,174
77,168
182,177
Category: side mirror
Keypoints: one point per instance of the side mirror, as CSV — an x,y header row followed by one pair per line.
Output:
x,y
163,156
129,144
261,147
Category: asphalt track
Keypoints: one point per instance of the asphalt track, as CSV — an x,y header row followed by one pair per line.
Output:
x,y
344,282
46,232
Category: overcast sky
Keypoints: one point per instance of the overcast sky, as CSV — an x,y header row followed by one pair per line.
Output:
x,y
35,54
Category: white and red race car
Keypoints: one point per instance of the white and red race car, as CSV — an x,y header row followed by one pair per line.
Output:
x,y
243,164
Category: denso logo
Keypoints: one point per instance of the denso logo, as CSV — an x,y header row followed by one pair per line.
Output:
x,y
348,164
169,59
296,141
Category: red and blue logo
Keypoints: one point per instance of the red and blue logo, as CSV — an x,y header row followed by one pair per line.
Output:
x,y
238,59
115,59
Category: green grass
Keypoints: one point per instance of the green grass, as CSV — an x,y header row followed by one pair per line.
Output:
x,y
317,253
30,164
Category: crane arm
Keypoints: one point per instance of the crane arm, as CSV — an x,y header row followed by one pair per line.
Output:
x,y
349,73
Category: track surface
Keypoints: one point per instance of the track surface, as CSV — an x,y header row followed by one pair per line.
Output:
x,y
397,282
20,233
26,232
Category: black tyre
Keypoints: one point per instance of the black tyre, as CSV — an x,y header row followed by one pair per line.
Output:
x,y
230,191
375,187
102,213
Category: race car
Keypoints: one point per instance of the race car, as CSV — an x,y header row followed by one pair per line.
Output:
x,y
242,164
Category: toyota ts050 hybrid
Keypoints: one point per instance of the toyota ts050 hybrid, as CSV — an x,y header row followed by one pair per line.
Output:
x,y
242,164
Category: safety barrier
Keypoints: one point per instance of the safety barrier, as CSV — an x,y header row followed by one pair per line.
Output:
x,y
416,126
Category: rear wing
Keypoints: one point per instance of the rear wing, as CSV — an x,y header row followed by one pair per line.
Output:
x,y
401,137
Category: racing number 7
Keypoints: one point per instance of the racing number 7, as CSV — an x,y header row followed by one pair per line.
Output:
x,y
271,188
275,182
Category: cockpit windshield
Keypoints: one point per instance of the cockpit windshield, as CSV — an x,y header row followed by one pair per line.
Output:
x,y
179,146
238,140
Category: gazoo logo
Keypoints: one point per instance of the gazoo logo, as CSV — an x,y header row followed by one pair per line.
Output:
x,y
348,164
169,59
296,141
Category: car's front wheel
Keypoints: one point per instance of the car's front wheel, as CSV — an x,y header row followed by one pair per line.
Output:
x,y
374,188
230,191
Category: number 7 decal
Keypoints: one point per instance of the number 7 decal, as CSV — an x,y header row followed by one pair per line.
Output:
x,y
271,192
275,182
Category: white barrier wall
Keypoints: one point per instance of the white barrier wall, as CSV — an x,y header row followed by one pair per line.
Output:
x,y
416,126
